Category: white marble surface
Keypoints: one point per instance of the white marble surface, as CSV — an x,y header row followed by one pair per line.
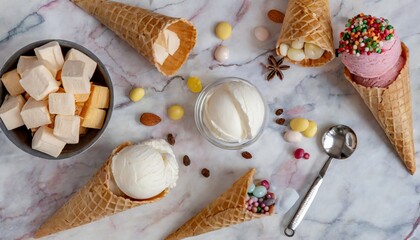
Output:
x,y
370,196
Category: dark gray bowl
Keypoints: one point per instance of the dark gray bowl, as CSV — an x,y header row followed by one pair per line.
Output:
x,y
21,136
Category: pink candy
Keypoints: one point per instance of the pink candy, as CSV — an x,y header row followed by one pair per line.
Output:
x,y
299,153
265,183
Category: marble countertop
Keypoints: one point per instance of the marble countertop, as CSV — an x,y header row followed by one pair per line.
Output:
x,y
369,196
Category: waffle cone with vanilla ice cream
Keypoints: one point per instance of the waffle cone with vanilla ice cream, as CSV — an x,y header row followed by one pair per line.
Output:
x,y
376,64
133,175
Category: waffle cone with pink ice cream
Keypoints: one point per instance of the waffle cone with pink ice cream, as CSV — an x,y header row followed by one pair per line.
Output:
x,y
376,64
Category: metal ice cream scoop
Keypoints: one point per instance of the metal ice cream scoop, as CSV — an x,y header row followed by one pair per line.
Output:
x,y
339,142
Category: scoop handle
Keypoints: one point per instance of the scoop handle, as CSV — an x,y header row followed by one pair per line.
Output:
x,y
307,201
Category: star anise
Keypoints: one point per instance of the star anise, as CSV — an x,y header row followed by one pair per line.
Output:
x,y
275,68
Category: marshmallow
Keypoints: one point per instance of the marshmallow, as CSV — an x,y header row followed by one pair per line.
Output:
x,y
90,65
25,63
51,53
93,117
99,97
10,112
287,198
45,141
74,77
39,82
11,82
35,113
62,103
66,128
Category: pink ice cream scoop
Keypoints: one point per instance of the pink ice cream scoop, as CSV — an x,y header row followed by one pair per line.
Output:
x,y
385,79
375,64
371,51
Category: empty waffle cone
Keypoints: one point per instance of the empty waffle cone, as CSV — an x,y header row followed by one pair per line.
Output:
x,y
92,202
310,21
391,107
140,28
226,210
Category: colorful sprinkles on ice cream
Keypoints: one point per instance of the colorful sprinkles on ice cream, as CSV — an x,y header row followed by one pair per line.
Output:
x,y
365,34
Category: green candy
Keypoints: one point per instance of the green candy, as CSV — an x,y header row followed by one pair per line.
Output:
x,y
387,37
389,27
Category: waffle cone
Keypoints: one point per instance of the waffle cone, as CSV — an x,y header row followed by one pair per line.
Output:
x,y
140,28
391,107
92,202
226,210
310,21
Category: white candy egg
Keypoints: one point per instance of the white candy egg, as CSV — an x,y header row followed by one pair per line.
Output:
x,y
312,51
283,49
297,44
221,53
293,136
295,54
261,33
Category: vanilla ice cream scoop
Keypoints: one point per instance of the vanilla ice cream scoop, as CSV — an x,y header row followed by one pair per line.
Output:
x,y
144,170
234,111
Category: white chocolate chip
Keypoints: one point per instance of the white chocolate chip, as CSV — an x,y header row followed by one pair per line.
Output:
x,y
295,54
283,49
312,51
297,44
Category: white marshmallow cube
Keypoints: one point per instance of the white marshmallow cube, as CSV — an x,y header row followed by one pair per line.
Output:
x,y
74,77
51,53
39,82
25,63
62,103
35,113
11,82
10,112
45,141
90,65
66,128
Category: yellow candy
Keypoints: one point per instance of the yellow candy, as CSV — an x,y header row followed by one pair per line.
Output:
x,y
299,124
136,94
311,130
194,84
175,112
223,30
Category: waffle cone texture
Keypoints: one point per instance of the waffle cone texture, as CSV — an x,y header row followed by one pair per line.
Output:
x,y
92,202
226,210
140,28
310,21
391,107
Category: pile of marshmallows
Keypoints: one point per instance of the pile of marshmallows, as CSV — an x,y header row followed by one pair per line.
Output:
x,y
298,50
56,115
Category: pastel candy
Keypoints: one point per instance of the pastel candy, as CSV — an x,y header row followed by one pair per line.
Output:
x,y
311,130
292,136
259,191
299,124
251,188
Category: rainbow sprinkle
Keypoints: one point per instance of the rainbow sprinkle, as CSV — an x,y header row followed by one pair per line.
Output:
x,y
365,34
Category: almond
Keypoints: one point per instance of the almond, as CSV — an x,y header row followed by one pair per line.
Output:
x,y
275,16
150,119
